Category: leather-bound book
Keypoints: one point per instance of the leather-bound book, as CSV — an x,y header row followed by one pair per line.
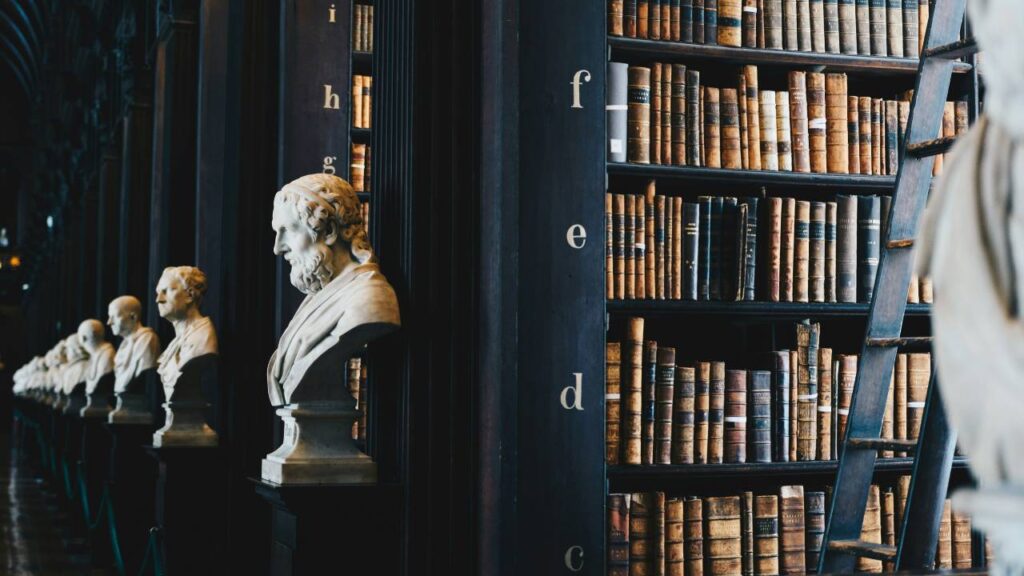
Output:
x,y
766,535
803,25
853,131
641,512
892,131
832,26
878,136
772,17
887,418
868,231
686,20
612,401
701,413
675,19
638,123
640,244
846,248
760,407
960,117
693,536
357,101
801,252
693,118
864,135
730,22
961,540
715,260
716,413
944,549
902,493
722,536
900,399
888,504
847,378
691,237
807,336
903,119
666,112
630,246
769,134
643,19
871,531
788,244
747,532
735,416
794,401
730,122
664,395
659,246
824,404
863,28
666,18
774,248
792,558
729,257
682,427
632,385
783,133
750,250
678,115
919,372
830,251
753,117
816,233
814,526
648,401
670,242
751,15
740,249
655,121
742,113
619,216
927,294
818,25
790,35
358,167
704,249
618,535
616,110
658,535
817,122
948,121
848,26
609,246
712,135
910,40
780,406
990,556
629,18
698,22
675,556
614,17
879,33
711,21
798,109
677,248
922,23
894,27
760,23
837,124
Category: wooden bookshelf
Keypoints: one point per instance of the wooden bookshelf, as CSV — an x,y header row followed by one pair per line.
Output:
x,y
755,309
360,135
752,177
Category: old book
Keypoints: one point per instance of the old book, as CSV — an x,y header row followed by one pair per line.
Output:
x,y
847,379
788,245
863,27
879,33
648,401
814,526
691,237
640,244
675,555
629,247
801,252
910,40
769,135
816,121
847,27
657,541
784,146
693,118
892,130
807,338
686,20
944,549
832,26
817,25
643,19
639,115
922,23
919,372
961,544
367,98
816,234
794,401
666,18
664,395
790,36
760,23
900,399
792,559
888,504
632,387
641,511
730,22
357,101
722,536
716,413
682,432
871,530
747,531
772,18
766,535
913,290
750,249
609,245
670,231
715,234
803,25
902,493
759,430
877,136
618,535
868,230
742,114
753,117
730,233
701,412
655,122
703,255
358,167
619,217
629,18
887,418
677,248
837,124
830,251
614,17
612,399
853,132
751,16
927,295
693,536
698,22
616,110
774,248
798,109
894,27
666,112
960,117
711,21
730,129
735,416
780,406
678,115
864,135
824,404
659,245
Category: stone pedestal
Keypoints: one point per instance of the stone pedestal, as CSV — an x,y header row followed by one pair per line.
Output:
x,y
91,469
315,528
74,402
131,480
131,408
98,404
318,447
185,413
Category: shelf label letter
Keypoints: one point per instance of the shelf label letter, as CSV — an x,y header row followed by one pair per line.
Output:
x,y
331,11
576,236
329,164
331,100
574,558
576,86
577,394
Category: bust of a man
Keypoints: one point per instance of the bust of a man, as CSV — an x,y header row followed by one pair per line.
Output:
x,y
101,352
140,346
56,358
77,366
320,233
179,294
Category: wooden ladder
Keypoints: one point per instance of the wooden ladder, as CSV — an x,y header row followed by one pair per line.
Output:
x,y
933,453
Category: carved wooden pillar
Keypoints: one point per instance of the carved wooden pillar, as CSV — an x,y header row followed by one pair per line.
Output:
x,y
133,222
108,233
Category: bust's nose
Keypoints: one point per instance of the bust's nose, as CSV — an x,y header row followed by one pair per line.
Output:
x,y
279,246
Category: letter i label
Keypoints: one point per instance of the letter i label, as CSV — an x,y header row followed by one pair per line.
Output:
x,y
332,12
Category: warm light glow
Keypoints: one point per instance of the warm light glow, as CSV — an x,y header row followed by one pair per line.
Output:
x,y
15,261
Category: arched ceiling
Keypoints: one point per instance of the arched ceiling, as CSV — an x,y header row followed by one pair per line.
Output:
x,y
22,30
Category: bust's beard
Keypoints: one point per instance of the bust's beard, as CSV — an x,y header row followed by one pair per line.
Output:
x,y
311,270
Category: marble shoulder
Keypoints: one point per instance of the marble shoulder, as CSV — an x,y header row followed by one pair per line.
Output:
x,y
371,300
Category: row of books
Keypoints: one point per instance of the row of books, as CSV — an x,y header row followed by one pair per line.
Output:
x,y
359,172
759,248
361,100
661,409
876,28
665,114
362,28
651,533
355,369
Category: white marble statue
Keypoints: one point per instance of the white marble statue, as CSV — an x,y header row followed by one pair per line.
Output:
x,y
74,372
99,378
56,358
137,354
320,233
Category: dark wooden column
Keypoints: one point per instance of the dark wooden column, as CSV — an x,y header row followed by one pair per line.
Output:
x,y
134,219
108,228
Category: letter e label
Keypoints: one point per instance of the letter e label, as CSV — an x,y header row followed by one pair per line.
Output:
x,y
576,236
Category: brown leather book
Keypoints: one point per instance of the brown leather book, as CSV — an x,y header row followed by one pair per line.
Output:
x,y
825,404
693,118
853,129
894,27
682,438
960,117
655,120
774,248
629,17
618,535
643,16
785,142
678,115
630,246
766,535
816,234
899,416
888,431
914,290
788,245
807,336
769,134
944,549
701,412
888,523
358,167
919,371
961,540
730,22
675,21
664,393
792,559
693,536
752,14
699,36
660,231
741,99
677,248
871,530
753,117
771,17
847,378
667,79
922,22
666,19
716,413
902,492
847,27
747,531
675,556
640,245
730,121
927,295
619,217
803,25
814,527
651,250
632,387
657,552
818,25
648,401
864,135
910,39
641,512
712,135
367,98
879,32
863,28
790,35
794,428
798,108
615,17
670,237
357,101
990,555
816,121
892,162
722,536
801,252
612,399
735,416
638,115
832,26
609,246
837,123
831,216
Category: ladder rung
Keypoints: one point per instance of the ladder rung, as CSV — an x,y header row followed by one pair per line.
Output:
x,y
953,50
902,342
934,147
865,549
882,444
901,243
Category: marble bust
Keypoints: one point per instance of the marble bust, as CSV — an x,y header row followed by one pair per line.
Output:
x,y
137,355
99,376
320,233
56,358
74,372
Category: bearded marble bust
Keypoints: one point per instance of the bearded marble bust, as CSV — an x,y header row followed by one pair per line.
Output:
x,y
101,353
77,366
140,345
320,233
179,294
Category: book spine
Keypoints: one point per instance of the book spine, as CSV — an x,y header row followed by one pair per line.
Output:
x,y
712,138
760,23
766,535
666,18
664,395
642,19
730,22
926,290
922,23
616,111
702,413
944,548
751,16
801,251
888,524
715,234
853,130
357,101
960,118
618,535
619,216
659,246
747,532
798,110
817,25
847,378
791,37
832,44
803,25
612,400
785,145
640,247
657,552
675,554
693,536
824,404
807,390
630,246
693,118
760,429
750,251
830,251
731,150
691,237
716,413
894,27
609,245
868,230
863,27
774,248
769,134
877,137
735,416
655,109
871,530
837,124
639,115
740,250
814,526
678,115
711,21
961,540
683,438
794,402
900,399
817,252
666,112
879,34
772,18
892,131
887,417
698,21
910,40
864,137
816,121
675,20
781,408
742,113
847,26
686,20
640,519
753,117
670,241
792,559
788,243
722,536
918,375
648,391
704,249
677,248
632,402
727,243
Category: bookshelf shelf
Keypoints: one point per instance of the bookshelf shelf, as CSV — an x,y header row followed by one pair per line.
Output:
x,y
752,177
763,309
361,135
362,59
636,49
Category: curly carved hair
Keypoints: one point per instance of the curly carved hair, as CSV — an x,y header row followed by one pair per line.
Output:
x,y
327,203
193,278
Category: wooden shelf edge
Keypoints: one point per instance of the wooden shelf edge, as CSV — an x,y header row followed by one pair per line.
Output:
x,y
779,469
755,177
767,309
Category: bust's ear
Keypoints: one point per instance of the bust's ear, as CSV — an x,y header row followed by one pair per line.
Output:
x,y
331,233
